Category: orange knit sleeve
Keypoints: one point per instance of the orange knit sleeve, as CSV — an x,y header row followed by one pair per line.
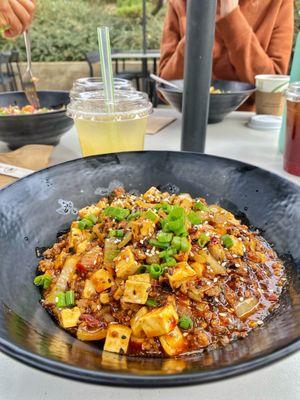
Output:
x,y
172,47
244,50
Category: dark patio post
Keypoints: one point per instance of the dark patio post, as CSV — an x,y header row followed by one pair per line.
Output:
x,y
197,73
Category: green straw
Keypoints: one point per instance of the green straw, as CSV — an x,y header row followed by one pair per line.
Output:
x,y
106,66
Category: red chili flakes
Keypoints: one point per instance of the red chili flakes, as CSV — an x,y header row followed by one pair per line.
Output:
x,y
90,320
80,267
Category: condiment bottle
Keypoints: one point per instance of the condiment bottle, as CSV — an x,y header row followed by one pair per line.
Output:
x,y
292,139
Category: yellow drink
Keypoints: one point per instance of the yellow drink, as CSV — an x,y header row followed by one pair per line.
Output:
x,y
110,127
100,137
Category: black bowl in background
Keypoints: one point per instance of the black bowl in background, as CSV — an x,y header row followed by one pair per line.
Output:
x,y
35,208
43,128
236,93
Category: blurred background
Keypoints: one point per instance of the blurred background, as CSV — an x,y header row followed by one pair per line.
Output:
x,y
64,37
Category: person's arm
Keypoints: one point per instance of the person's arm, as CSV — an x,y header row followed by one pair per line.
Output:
x,y
172,47
16,16
244,50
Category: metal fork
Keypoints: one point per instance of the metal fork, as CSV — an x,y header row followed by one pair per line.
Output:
x,y
28,83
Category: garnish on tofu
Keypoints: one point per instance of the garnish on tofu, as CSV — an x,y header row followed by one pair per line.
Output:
x,y
159,274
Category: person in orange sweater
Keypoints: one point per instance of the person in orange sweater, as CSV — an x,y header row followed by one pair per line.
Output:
x,y
252,37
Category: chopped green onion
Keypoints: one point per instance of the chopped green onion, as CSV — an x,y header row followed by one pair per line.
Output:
x,y
119,233
203,239
117,213
164,237
176,243
60,300
151,215
200,206
92,218
134,216
170,262
185,245
194,218
81,224
43,280
167,253
87,222
165,207
151,303
155,270
227,241
156,243
174,226
143,268
176,213
70,298
185,322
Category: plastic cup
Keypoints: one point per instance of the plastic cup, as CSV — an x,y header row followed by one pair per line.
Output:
x,y
101,130
270,93
96,84
292,141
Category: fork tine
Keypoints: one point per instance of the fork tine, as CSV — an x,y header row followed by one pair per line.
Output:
x,y
28,83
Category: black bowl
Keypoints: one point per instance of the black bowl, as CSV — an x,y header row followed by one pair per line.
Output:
x,y
236,93
35,208
43,128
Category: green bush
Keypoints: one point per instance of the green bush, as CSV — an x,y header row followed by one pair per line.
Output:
x,y
65,30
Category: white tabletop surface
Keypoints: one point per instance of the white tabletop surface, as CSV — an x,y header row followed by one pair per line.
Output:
x,y
280,381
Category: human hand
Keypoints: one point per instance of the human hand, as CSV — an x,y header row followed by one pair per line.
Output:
x,y
16,16
227,6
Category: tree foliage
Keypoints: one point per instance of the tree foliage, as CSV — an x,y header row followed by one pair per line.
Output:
x,y
64,30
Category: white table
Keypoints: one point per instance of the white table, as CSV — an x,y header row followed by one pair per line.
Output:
x,y
276,382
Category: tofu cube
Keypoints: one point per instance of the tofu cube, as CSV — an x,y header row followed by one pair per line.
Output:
x,y
91,335
88,290
136,322
104,298
160,321
77,235
126,264
102,280
136,292
69,317
152,195
140,278
147,228
185,201
173,343
180,274
117,338
82,246
89,210
198,268
237,247
217,251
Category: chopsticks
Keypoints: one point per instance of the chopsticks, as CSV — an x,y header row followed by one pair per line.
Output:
x,y
13,171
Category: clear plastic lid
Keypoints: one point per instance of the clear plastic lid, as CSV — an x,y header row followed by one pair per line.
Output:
x,y
96,84
93,106
293,92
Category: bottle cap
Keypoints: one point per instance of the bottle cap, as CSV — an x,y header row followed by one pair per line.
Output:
x,y
265,122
